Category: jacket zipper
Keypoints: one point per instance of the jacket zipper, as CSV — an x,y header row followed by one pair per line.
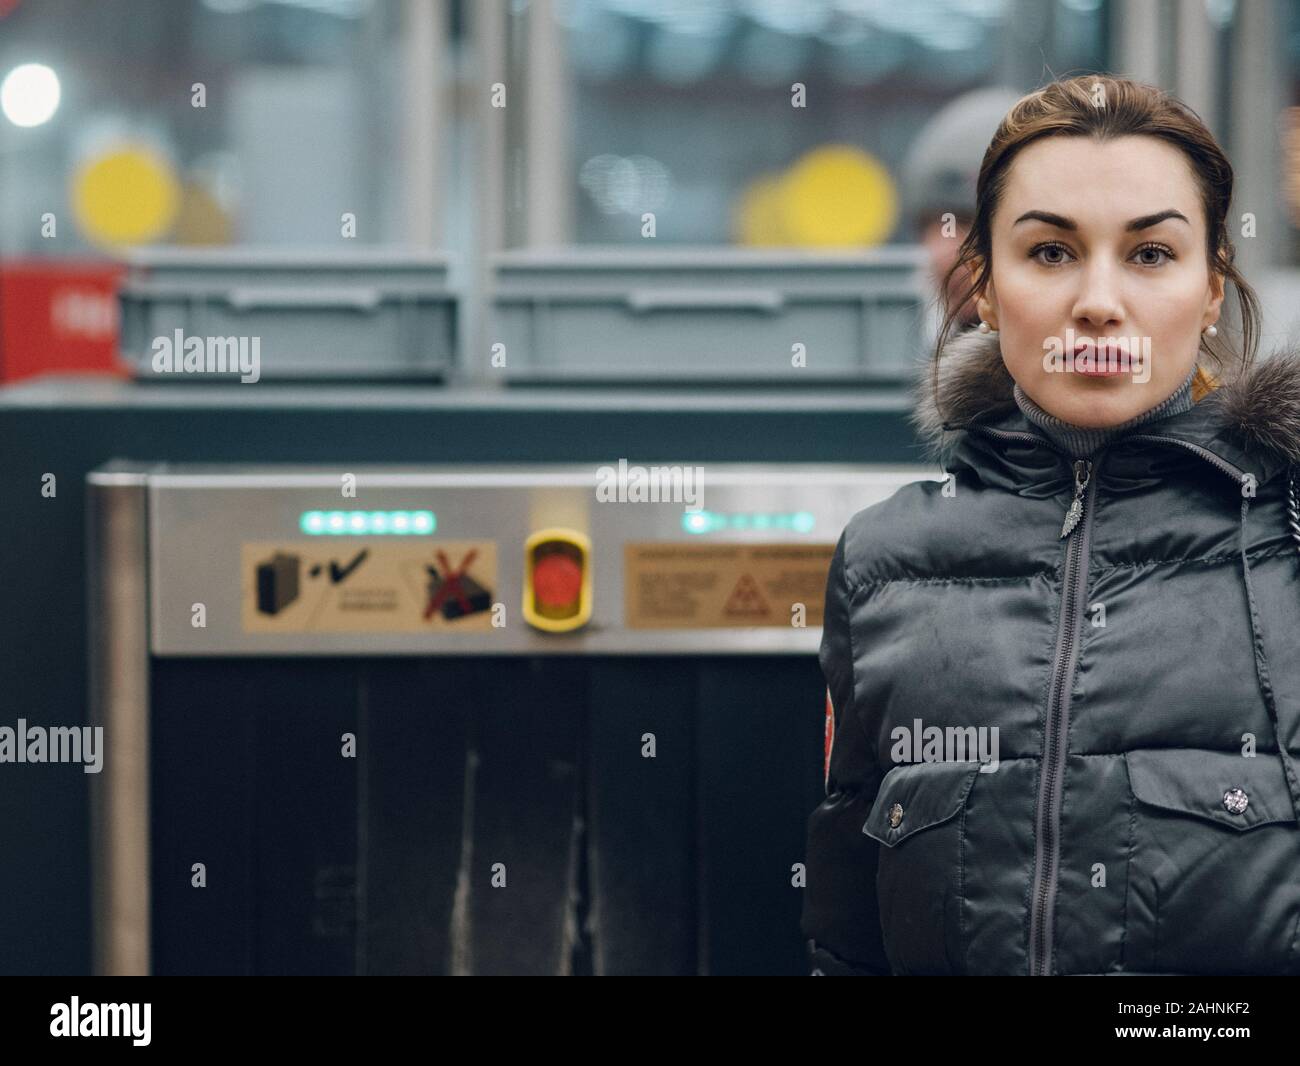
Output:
x,y
1047,834
1047,828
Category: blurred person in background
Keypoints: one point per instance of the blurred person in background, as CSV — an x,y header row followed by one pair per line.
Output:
x,y
939,194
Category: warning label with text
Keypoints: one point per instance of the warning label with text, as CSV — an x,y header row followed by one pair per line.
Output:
x,y
707,586
341,585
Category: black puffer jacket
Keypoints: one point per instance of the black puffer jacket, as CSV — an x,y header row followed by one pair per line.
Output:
x,y
1142,672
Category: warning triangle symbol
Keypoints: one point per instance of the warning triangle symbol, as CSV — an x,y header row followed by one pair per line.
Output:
x,y
746,599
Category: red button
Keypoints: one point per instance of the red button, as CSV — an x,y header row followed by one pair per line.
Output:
x,y
557,581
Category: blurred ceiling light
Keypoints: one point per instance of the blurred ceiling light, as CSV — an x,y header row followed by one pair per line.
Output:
x,y
671,10
927,20
341,8
995,9
637,9
591,176
619,185
572,14
1221,12
601,45
807,16
950,35
864,60
769,58
847,31
350,9
911,18
709,18
679,58
29,95
704,18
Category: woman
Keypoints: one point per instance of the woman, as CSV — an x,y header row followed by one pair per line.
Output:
x,y
1065,681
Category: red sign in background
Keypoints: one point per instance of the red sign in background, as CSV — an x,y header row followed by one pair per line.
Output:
x,y
58,316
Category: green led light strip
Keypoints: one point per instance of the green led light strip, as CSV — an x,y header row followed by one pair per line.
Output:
x,y
713,521
368,523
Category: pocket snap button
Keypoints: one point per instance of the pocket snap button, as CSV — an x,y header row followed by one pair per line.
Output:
x,y
895,815
1235,800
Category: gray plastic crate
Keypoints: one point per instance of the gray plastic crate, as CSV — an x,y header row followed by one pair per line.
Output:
x,y
706,313
316,314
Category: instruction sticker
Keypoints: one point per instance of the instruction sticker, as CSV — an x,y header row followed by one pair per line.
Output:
x,y
360,586
706,586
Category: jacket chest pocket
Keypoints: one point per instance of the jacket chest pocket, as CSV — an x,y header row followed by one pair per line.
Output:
x,y
919,817
1215,864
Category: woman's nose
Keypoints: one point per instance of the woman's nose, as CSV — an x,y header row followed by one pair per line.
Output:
x,y
1098,303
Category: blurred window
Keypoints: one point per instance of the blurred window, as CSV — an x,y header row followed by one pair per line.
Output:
x,y
683,107
199,121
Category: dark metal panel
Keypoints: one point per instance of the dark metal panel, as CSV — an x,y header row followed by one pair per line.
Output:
x,y
249,779
305,801
760,759
415,716
641,815
525,738
203,727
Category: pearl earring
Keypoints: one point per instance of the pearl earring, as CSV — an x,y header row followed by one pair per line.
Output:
x,y
1211,330
985,327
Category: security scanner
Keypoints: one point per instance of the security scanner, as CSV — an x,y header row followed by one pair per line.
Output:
x,y
459,718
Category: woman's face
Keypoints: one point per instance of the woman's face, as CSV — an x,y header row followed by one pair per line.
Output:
x,y
1100,241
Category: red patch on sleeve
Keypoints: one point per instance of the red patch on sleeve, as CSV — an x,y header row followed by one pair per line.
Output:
x,y
830,738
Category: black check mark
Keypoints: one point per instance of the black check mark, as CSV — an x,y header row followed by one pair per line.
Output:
x,y
338,573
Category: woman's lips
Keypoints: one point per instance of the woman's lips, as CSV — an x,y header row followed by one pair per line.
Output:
x,y
1107,359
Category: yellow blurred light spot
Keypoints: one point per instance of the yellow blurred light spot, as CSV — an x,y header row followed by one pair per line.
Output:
x,y
839,195
758,220
127,196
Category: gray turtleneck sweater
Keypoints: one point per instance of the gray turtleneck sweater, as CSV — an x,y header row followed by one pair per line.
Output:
x,y
1083,441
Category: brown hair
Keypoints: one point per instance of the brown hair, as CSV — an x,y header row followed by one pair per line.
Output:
x,y
1105,107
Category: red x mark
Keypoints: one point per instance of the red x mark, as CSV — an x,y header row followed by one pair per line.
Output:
x,y
451,584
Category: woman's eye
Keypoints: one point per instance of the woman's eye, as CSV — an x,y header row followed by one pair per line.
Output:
x,y
1160,253
1056,251
1054,254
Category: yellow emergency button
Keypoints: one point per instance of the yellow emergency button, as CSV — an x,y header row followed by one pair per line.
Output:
x,y
557,579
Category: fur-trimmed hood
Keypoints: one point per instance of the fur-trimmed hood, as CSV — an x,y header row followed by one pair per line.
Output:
x,y
1252,422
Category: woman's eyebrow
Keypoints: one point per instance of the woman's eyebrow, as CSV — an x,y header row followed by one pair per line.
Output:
x,y
1061,222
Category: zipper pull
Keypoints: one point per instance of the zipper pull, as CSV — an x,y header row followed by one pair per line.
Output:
x,y
1082,472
